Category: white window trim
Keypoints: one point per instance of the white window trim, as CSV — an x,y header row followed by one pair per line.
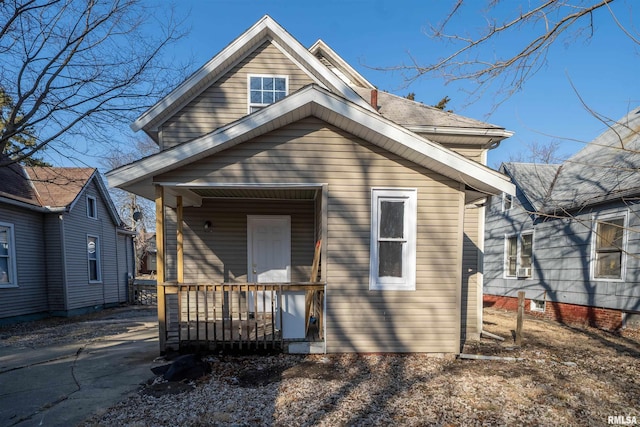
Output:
x,y
533,305
623,261
505,252
95,205
98,259
277,76
408,281
506,196
13,270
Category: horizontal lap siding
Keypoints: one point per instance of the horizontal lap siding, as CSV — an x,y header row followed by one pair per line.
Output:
x,y
81,293
30,296
54,262
220,255
470,274
562,255
226,100
310,151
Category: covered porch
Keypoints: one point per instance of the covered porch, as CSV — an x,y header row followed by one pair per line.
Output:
x,y
222,284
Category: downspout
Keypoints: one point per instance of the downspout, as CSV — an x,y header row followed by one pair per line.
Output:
x,y
65,285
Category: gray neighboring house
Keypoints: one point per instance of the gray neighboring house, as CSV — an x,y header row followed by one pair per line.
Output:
x,y
63,250
570,237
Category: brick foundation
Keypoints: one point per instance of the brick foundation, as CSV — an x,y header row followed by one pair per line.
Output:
x,y
603,318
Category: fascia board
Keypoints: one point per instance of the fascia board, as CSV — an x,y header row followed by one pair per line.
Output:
x,y
268,25
447,162
434,156
314,63
210,67
487,132
212,143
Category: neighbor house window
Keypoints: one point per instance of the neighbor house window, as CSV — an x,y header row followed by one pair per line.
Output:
x,y
93,256
518,255
265,90
537,305
609,248
7,256
92,207
393,239
507,202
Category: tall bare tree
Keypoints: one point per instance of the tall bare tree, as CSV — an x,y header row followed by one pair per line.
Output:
x,y
74,68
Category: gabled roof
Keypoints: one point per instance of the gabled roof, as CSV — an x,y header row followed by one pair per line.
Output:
x,y
315,101
422,118
534,180
265,29
50,189
605,169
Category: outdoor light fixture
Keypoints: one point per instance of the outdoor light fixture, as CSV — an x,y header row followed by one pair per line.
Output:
x,y
207,226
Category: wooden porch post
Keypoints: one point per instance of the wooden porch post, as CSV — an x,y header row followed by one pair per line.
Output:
x,y
180,260
162,324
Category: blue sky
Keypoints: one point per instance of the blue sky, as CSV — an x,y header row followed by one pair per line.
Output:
x,y
383,33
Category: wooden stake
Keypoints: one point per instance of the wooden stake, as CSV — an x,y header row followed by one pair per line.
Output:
x,y
520,318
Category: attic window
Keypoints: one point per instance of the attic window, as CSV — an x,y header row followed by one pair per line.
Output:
x,y
265,90
92,207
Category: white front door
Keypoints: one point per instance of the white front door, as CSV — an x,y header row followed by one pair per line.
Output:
x,y
269,248
269,261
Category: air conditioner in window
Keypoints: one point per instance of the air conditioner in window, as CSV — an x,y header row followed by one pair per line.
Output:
x,y
524,272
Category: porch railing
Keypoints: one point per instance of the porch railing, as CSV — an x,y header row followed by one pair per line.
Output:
x,y
237,315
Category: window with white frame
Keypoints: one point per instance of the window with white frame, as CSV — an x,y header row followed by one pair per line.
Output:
x,y
393,239
537,305
609,254
92,207
93,258
7,256
507,202
265,90
518,255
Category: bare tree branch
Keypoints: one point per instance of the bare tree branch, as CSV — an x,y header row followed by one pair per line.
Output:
x,y
72,67
474,58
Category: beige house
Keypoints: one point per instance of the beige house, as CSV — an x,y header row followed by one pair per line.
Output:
x,y
299,206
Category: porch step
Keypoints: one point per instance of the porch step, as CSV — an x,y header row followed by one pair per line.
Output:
x,y
306,347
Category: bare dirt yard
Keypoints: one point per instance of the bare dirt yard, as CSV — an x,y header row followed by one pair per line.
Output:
x,y
561,375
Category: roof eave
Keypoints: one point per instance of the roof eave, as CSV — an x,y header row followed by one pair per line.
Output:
x,y
265,27
404,142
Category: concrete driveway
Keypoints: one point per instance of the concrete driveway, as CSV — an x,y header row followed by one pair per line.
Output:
x,y
65,382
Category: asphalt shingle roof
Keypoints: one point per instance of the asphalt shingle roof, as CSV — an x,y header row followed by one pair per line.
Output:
x,y
607,168
51,187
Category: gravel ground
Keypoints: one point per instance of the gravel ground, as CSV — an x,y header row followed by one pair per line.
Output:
x,y
560,375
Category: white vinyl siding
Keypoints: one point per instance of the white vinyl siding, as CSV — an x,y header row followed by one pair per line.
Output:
x,y
8,274
393,240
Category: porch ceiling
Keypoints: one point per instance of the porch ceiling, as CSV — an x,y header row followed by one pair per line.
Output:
x,y
257,193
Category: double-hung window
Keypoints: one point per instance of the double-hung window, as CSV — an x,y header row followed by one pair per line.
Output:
x,y
393,239
265,90
518,255
7,256
609,254
93,259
